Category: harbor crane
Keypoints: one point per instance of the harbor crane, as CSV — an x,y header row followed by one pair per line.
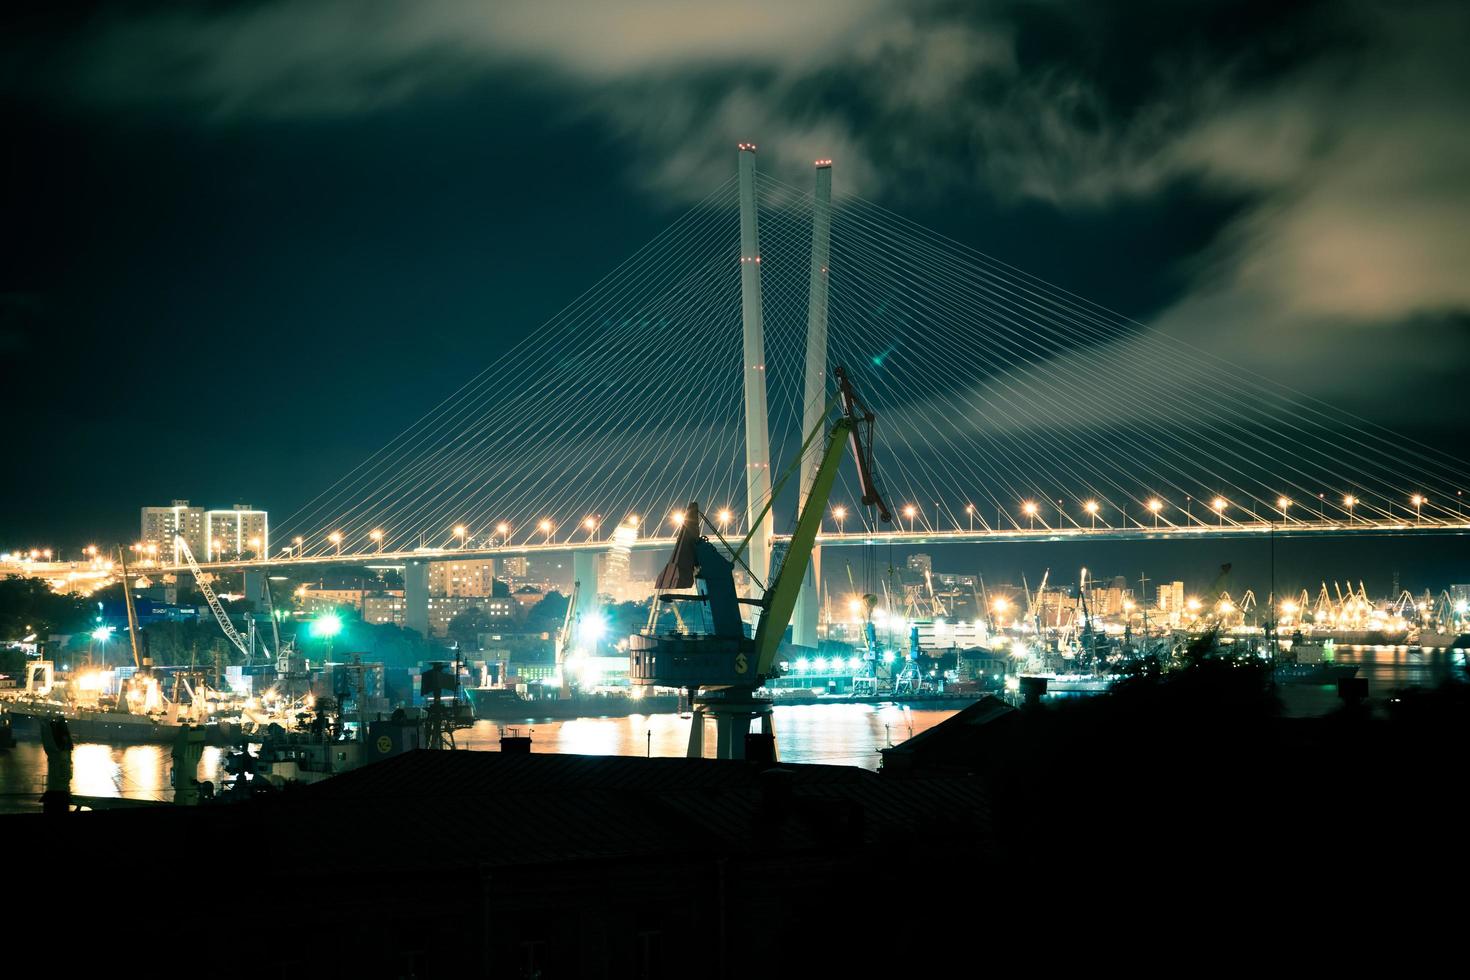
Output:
x,y
722,669
200,576
564,640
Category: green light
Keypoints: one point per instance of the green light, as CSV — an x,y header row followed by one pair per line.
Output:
x,y
328,625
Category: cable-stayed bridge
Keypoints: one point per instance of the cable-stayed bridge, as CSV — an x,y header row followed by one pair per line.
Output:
x,y
1007,409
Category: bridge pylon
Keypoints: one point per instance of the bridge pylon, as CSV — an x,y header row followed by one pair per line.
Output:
x,y
757,426
814,394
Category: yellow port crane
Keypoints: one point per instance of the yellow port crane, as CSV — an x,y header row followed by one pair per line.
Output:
x,y
721,669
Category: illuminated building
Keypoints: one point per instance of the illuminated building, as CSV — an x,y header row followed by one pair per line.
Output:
x,y
467,577
236,533
160,525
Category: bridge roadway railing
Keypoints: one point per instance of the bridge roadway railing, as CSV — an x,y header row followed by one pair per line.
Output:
x,y
1195,530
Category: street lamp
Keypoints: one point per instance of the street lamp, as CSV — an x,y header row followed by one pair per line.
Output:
x,y
297,542
590,523
336,539
723,517
1281,504
1418,501
503,529
546,527
1029,509
1156,505
460,532
676,518
1091,508
839,514
377,538
910,511
1219,504
1348,502
970,512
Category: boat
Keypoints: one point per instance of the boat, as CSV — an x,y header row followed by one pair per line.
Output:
x,y
1076,683
506,704
931,700
104,724
1439,640
1310,662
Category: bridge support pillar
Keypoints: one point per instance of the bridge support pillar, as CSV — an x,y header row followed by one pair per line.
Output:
x,y
814,395
416,596
584,570
757,432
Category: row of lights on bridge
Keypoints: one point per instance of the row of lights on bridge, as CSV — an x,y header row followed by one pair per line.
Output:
x,y
724,517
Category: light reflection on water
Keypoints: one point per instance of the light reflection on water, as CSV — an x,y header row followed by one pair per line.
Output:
x,y
835,734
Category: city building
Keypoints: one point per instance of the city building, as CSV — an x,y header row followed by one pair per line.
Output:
x,y
236,533
920,564
517,567
383,608
443,609
1171,599
314,600
161,525
615,575
465,577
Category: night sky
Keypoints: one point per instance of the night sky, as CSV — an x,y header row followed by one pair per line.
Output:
x,y
246,244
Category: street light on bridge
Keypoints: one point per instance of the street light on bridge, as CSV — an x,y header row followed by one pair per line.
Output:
x,y
724,517
1349,502
1281,504
1029,509
1155,505
336,540
676,518
970,512
910,511
590,523
546,527
1418,501
1091,508
839,514
503,529
1218,505
376,536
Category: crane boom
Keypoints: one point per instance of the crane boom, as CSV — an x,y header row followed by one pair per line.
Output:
x,y
779,600
232,634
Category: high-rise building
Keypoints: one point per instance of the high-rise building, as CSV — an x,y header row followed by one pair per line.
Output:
x,y
517,567
616,574
236,533
920,564
468,576
1171,598
161,525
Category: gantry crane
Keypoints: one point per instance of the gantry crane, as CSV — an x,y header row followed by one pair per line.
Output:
x,y
722,669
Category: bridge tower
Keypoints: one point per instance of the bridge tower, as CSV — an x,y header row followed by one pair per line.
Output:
x,y
757,431
814,397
